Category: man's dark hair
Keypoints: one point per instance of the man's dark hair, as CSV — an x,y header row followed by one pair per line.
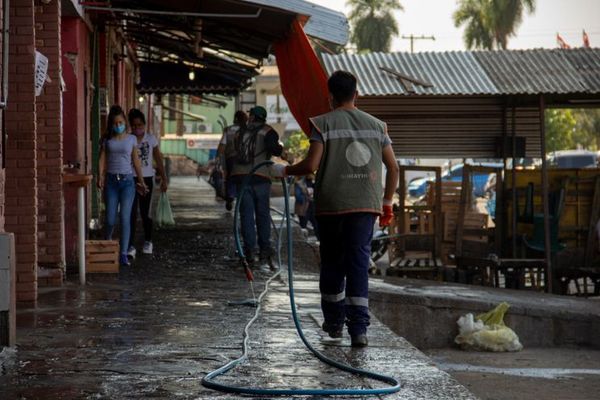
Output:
x,y
342,86
135,113
240,118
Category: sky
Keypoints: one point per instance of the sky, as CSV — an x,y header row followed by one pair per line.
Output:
x,y
434,17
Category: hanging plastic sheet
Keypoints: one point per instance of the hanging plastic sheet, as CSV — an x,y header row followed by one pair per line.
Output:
x,y
303,80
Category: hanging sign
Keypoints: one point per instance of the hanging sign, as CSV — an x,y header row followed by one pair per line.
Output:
x,y
205,142
41,72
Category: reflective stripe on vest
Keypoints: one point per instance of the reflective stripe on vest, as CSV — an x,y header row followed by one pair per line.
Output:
x,y
350,174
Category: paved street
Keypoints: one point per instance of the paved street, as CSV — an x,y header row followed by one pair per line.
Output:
x,y
158,327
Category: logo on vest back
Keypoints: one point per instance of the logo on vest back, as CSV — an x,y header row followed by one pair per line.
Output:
x,y
358,154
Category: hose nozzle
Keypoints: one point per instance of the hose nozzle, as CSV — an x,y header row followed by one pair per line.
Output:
x,y
248,271
249,274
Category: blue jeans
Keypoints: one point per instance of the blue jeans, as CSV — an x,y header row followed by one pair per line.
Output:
x,y
120,192
255,216
344,284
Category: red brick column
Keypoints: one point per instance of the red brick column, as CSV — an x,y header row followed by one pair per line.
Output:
x,y
21,177
2,186
49,149
2,175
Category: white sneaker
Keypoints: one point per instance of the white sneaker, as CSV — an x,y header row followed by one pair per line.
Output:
x,y
131,252
147,248
265,267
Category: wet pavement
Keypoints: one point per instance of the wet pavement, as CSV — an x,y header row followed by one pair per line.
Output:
x,y
158,327
567,373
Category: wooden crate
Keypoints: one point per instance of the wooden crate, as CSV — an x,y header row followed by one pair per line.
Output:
x,y
473,220
102,256
450,194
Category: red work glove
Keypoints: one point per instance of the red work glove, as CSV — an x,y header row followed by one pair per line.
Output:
x,y
387,215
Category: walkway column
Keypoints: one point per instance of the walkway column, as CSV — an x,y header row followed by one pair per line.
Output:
x,y
76,134
49,149
21,158
2,149
545,199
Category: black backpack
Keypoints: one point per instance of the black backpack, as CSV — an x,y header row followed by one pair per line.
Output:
x,y
245,144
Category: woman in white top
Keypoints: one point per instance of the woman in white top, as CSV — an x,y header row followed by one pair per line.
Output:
x,y
148,151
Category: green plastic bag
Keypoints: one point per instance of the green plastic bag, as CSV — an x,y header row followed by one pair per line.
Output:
x,y
164,215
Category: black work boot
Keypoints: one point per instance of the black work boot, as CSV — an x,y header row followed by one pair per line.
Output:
x,y
334,332
359,340
266,261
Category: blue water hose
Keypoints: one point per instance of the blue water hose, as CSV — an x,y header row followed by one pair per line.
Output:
x,y
209,379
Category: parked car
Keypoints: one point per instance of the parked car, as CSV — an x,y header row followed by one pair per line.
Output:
x,y
573,159
526,163
418,187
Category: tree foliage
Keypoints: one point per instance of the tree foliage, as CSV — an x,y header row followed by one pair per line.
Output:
x,y
297,145
572,129
490,23
373,24
560,126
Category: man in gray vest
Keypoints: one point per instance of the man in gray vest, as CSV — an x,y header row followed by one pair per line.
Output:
x,y
226,151
348,147
256,143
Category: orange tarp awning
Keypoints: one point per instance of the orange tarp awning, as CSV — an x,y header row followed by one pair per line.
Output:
x,y
303,80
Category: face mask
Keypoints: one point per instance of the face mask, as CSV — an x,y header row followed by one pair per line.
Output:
x,y
119,129
139,132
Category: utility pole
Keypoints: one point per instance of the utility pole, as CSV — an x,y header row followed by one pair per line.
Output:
x,y
412,39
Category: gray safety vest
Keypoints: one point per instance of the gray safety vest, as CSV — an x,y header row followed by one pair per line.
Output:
x,y
230,133
260,154
349,175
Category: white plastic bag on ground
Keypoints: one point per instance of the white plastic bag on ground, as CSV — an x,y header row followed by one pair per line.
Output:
x,y
487,332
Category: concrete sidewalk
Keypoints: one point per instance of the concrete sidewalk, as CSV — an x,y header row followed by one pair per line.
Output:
x,y
540,319
158,327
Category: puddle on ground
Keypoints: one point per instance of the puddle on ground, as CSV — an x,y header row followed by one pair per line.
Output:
x,y
7,359
540,373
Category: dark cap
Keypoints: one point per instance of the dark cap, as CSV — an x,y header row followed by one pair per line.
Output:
x,y
259,112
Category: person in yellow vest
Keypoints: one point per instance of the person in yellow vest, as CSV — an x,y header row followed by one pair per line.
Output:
x,y
347,147
256,143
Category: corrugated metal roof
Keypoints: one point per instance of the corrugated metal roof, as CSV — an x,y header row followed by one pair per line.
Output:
x,y
449,72
587,62
324,23
539,71
531,71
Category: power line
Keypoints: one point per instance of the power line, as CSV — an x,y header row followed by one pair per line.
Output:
x,y
412,39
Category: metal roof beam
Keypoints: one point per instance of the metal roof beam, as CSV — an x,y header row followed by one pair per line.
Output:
x,y
173,13
402,77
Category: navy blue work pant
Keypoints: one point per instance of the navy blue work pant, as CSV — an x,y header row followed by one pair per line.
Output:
x,y
344,284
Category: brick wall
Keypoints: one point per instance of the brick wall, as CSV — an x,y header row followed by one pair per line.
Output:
x,y
2,180
1,149
49,148
21,158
